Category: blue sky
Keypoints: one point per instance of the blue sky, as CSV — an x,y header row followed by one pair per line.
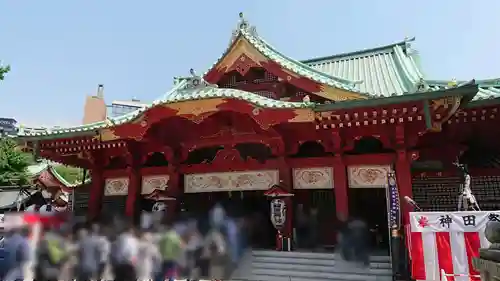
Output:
x,y
61,50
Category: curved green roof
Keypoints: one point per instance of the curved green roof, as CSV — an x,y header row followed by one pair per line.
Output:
x,y
36,170
383,71
185,89
386,71
391,70
250,34
488,89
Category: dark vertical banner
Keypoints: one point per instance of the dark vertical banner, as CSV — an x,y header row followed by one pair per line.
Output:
x,y
394,222
394,207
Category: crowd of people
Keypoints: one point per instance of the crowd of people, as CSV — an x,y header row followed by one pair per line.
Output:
x,y
189,248
120,251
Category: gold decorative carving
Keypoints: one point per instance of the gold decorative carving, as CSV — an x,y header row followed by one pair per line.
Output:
x,y
154,183
313,178
106,135
231,181
449,104
368,176
241,47
197,107
302,115
337,94
116,187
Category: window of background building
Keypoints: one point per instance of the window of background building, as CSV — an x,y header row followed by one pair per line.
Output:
x,y
119,110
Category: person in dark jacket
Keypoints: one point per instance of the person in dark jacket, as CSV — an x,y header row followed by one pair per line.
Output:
x,y
343,238
359,235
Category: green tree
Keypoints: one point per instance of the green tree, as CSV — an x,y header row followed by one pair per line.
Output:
x,y
13,164
71,174
3,71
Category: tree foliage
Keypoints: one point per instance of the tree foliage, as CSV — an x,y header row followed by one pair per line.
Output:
x,y
3,71
71,174
13,164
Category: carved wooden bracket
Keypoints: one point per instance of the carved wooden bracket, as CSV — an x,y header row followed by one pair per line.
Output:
x,y
337,141
399,136
150,149
404,155
230,155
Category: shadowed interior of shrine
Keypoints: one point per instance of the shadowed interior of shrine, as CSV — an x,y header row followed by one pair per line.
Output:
x,y
370,205
249,209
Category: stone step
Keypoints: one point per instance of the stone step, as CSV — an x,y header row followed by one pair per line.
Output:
x,y
305,261
347,268
263,265
309,255
302,275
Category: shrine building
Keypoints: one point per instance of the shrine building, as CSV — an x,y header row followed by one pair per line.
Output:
x,y
327,130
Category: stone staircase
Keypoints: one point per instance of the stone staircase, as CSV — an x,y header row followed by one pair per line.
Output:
x,y
260,265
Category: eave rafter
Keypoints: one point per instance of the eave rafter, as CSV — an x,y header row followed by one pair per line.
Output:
x,y
369,116
434,107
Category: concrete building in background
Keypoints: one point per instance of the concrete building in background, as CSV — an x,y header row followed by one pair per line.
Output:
x,y
8,126
96,110
95,107
122,107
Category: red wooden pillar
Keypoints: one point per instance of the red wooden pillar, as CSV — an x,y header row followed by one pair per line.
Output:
x,y
340,187
285,175
404,181
134,190
174,191
134,179
96,192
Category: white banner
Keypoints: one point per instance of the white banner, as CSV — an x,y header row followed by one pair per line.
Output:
x,y
445,243
468,221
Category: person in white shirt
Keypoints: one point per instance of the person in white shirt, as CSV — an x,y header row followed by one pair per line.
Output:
x,y
124,254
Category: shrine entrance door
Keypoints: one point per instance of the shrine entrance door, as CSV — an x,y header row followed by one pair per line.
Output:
x,y
370,205
250,209
316,208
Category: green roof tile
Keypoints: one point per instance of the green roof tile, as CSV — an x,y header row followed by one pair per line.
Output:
x,y
383,71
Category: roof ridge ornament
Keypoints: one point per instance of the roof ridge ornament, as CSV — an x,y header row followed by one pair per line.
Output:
x,y
196,81
453,83
243,25
422,85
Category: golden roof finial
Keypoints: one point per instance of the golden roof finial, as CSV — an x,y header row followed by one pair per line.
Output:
x,y
452,83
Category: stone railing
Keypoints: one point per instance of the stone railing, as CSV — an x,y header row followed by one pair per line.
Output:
x,y
488,262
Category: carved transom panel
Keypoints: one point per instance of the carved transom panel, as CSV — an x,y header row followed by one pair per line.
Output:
x,y
231,181
116,187
154,183
313,178
369,176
